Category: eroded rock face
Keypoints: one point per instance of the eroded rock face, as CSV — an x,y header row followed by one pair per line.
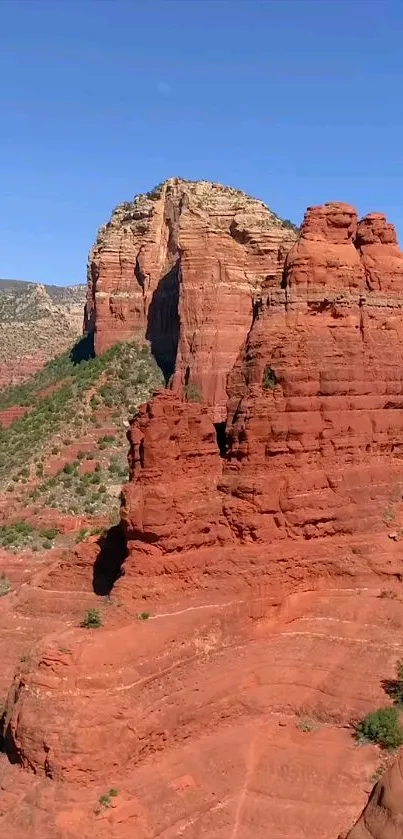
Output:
x,y
315,408
175,439
316,399
299,498
383,815
181,267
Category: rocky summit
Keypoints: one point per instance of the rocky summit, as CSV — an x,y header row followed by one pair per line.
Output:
x,y
182,267
219,652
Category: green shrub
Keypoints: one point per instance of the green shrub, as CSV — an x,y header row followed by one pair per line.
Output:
x,y
49,533
382,727
92,619
68,468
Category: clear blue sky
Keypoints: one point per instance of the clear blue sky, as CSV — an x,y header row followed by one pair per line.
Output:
x,y
295,101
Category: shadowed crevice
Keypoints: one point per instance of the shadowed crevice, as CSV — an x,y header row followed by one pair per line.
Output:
x,y
108,566
163,322
221,435
83,350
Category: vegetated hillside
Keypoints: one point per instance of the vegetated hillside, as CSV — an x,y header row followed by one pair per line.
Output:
x,y
37,322
66,456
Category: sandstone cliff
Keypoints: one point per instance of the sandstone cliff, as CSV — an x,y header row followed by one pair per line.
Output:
x,y
315,409
256,537
182,266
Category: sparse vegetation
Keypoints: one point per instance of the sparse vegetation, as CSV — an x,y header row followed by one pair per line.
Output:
x,y
144,616
307,724
394,687
389,515
22,535
270,379
290,225
387,594
106,800
79,397
92,619
5,585
377,774
381,727
193,393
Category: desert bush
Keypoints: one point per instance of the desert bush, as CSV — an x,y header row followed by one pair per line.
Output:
x,y
382,727
92,619
49,533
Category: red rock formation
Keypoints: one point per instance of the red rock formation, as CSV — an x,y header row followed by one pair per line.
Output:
x,y
181,266
316,399
197,712
175,439
383,815
315,408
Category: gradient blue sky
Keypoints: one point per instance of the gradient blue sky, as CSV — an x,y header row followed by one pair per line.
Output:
x,y
295,101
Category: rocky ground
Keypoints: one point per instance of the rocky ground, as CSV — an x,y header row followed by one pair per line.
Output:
x,y
226,710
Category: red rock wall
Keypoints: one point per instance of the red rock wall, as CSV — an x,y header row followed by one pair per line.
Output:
x,y
181,267
321,452
171,501
318,451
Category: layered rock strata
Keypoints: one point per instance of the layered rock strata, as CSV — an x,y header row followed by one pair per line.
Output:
x,y
181,267
316,397
315,407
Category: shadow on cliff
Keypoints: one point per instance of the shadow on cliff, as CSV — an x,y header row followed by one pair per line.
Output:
x,y
108,566
163,322
83,350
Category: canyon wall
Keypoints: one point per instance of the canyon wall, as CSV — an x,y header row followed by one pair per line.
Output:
x,y
182,267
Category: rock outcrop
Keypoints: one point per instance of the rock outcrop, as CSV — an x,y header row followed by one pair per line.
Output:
x,y
383,815
315,408
169,437
316,398
182,266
